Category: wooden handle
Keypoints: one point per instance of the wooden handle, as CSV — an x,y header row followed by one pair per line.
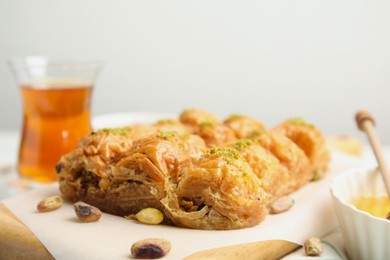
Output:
x,y
366,123
264,250
362,118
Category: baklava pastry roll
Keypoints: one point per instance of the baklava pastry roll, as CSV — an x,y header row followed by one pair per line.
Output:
x,y
216,135
244,126
208,127
266,166
125,179
222,192
171,125
92,160
290,155
195,117
310,139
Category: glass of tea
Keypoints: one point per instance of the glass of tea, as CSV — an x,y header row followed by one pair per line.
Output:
x,y
56,98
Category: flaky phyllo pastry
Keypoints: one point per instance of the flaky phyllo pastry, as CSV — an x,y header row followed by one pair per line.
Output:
x,y
200,172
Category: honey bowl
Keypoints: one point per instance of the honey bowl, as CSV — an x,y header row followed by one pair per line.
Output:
x,y
365,236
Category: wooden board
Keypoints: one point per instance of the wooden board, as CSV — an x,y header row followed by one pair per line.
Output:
x,y
18,242
272,249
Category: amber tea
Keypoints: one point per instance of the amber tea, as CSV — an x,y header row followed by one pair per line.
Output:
x,y
56,116
56,95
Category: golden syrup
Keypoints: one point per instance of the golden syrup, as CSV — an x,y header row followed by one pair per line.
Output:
x,y
376,206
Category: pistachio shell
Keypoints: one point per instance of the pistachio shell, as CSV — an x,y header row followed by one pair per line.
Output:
x,y
150,248
50,203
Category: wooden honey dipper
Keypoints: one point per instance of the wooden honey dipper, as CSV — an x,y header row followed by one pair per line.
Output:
x,y
366,123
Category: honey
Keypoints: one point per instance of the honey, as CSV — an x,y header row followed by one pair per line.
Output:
x,y
56,116
376,206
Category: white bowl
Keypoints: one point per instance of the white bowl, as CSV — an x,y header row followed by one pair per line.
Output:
x,y
365,236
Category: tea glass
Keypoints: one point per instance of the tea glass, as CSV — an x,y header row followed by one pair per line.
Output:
x,y
56,97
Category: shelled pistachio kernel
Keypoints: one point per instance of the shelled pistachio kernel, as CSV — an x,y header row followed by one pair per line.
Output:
x,y
86,212
50,203
150,248
313,246
150,216
281,204
318,175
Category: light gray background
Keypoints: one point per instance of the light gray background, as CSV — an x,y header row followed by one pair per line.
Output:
x,y
320,59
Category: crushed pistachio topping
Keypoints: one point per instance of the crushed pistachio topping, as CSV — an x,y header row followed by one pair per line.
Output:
x,y
227,154
206,124
242,143
233,117
256,133
186,111
167,121
299,121
185,136
166,135
123,131
244,172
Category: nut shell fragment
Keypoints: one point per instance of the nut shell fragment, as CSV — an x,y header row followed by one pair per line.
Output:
x,y
150,248
281,204
150,216
313,246
86,212
50,203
